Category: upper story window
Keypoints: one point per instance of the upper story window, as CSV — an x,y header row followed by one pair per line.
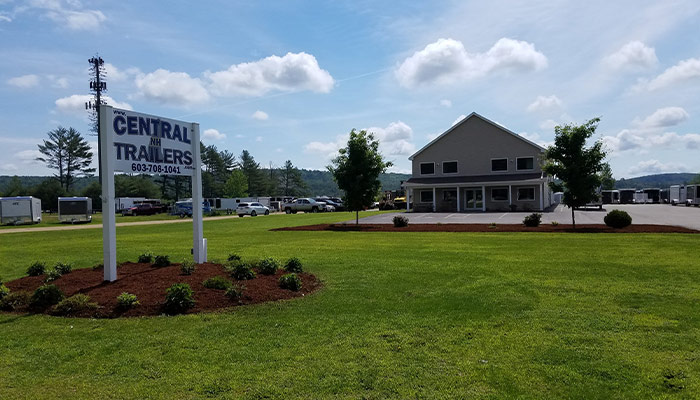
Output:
x,y
525,163
499,164
427,168
449,167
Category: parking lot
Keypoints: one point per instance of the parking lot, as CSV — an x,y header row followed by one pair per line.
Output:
x,y
654,214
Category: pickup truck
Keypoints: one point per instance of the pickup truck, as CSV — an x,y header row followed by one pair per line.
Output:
x,y
143,209
303,204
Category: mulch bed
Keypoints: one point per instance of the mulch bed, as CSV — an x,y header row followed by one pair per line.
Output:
x,y
149,285
489,228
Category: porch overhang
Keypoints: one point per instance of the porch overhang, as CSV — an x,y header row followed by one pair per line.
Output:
x,y
475,180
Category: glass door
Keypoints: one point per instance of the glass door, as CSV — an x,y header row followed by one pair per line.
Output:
x,y
474,199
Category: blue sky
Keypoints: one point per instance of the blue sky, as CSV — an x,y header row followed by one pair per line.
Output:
x,y
289,79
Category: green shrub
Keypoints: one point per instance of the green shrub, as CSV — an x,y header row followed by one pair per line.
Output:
x,y
146,258
127,300
179,298
233,257
618,219
98,266
75,304
268,266
290,281
217,282
293,265
400,221
14,301
45,296
4,291
161,261
240,270
187,267
37,268
533,220
52,275
555,223
235,292
63,268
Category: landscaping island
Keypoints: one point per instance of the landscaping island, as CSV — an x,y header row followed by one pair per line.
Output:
x,y
592,228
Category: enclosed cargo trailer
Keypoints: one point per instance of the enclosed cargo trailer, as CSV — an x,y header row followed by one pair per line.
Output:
x,y
20,210
74,209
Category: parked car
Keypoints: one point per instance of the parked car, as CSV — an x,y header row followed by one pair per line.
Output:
x,y
252,209
141,209
304,204
330,202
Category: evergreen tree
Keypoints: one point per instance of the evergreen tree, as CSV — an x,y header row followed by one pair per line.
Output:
x,y
253,174
290,180
67,152
14,188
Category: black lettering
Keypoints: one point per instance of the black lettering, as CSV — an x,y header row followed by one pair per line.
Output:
x,y
168,156
130,152
187,157
144,126
177,156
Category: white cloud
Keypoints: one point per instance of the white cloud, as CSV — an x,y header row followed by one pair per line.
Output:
x,y
656,167
239,136
213,134
24,82
633,55
29,157
58,83
548,125
545,103
649,133
174,88
459,119
535,138
446,103
665,117
114,74
259,139
75,104
394,140
260,115
291,72
69,14
5,18
684,72
446,62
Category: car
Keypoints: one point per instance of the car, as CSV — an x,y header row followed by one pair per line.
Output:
x,y
252,209
330,202
304,204
141,209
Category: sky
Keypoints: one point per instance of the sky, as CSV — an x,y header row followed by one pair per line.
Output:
x,y
288,80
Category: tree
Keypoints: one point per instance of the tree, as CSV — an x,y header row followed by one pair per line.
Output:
x,y
94,191
14,188
236,185
695,180
576,166
356,170
135,186
67,152
291,182
49,190
252,172
606,177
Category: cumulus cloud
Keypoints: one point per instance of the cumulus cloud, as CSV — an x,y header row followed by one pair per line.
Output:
x,y
656,167
651,132
75,104
545,103
115,74
24,82
536,138
291,72
260,115
173,88
394,140
685,71
447,61
665,117
213,134
633,55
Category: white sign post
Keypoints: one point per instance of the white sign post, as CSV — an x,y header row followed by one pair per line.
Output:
x,y
146,144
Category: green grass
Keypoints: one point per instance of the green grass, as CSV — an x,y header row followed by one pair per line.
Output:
x,y
402,315
49,220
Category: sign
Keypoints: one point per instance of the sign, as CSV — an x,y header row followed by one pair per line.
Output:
x,y
133,142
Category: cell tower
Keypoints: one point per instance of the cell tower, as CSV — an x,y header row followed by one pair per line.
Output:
x,y
97,86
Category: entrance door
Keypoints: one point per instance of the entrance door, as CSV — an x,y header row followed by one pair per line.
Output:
x,y
474,199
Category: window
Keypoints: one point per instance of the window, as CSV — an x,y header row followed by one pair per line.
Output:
x,y
449,167
427,168
526,194
499,164
525,163
449,195
499,194
426,196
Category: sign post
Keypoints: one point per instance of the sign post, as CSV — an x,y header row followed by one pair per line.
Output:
x,y
140,143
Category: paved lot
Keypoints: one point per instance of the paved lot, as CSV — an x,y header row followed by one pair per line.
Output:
x,y
654,214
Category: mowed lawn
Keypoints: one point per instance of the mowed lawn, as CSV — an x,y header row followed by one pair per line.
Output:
x,y
402,315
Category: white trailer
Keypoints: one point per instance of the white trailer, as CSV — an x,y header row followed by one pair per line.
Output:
x,y
692,195
225,204
20,210
124,203
74,209
677,194
640,197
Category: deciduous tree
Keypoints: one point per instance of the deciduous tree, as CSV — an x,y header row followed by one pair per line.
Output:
x,y
236,185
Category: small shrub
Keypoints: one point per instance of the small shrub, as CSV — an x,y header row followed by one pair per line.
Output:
x,y
75,304
161,261
240,270
127,300
52,275
555,223
187,267
63,268
268,266
217,282
45,296
533,220
37,268
293,265
4,291
618,219
492,225
14,301
179,298
98,266
235,292
234,257
146,258
291,282
400,221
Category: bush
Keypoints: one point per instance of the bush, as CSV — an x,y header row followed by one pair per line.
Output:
x,y
98,266
161,261
75,304
179,298
240,270
187,267
52,275
291,282
235,292
533,220
268,266
36,269
234,257
146,258
217,282
400,221
127,300
555,223
14,300
46,295
4,291
63,268
618,219
293,265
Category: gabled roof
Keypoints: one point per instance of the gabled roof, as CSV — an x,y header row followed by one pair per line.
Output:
x,y
473,114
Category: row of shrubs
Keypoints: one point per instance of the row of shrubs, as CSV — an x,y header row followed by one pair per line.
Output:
x,y
617,219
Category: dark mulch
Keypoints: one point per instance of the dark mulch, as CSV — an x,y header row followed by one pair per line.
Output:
x,y
149,285
489,228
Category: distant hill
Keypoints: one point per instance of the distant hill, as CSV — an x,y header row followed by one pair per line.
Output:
x,y
655,181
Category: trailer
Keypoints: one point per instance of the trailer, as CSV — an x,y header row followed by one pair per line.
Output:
x,y
20,210
184,208
663,196
627,196
653,195
640,197
125,203
611,196
692,195
677,194
74,209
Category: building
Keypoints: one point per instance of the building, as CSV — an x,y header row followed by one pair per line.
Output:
x,y
478,165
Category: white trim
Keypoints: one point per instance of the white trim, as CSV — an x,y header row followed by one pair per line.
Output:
x,y
534,194
528,169
498,187
535,181
442,169
542,197
420,170
458,190
434,199
499,171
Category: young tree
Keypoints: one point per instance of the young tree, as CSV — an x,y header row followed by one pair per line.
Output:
x,y
577,167
606,177
67,152
356,170
236,185
291,182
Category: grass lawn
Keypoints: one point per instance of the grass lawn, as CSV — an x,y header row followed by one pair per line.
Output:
x,y
402,315
49,220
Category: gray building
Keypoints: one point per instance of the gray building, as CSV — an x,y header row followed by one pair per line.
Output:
x,y
478,165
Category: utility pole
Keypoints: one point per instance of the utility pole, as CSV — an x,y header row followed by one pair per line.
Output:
x,y
97,86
